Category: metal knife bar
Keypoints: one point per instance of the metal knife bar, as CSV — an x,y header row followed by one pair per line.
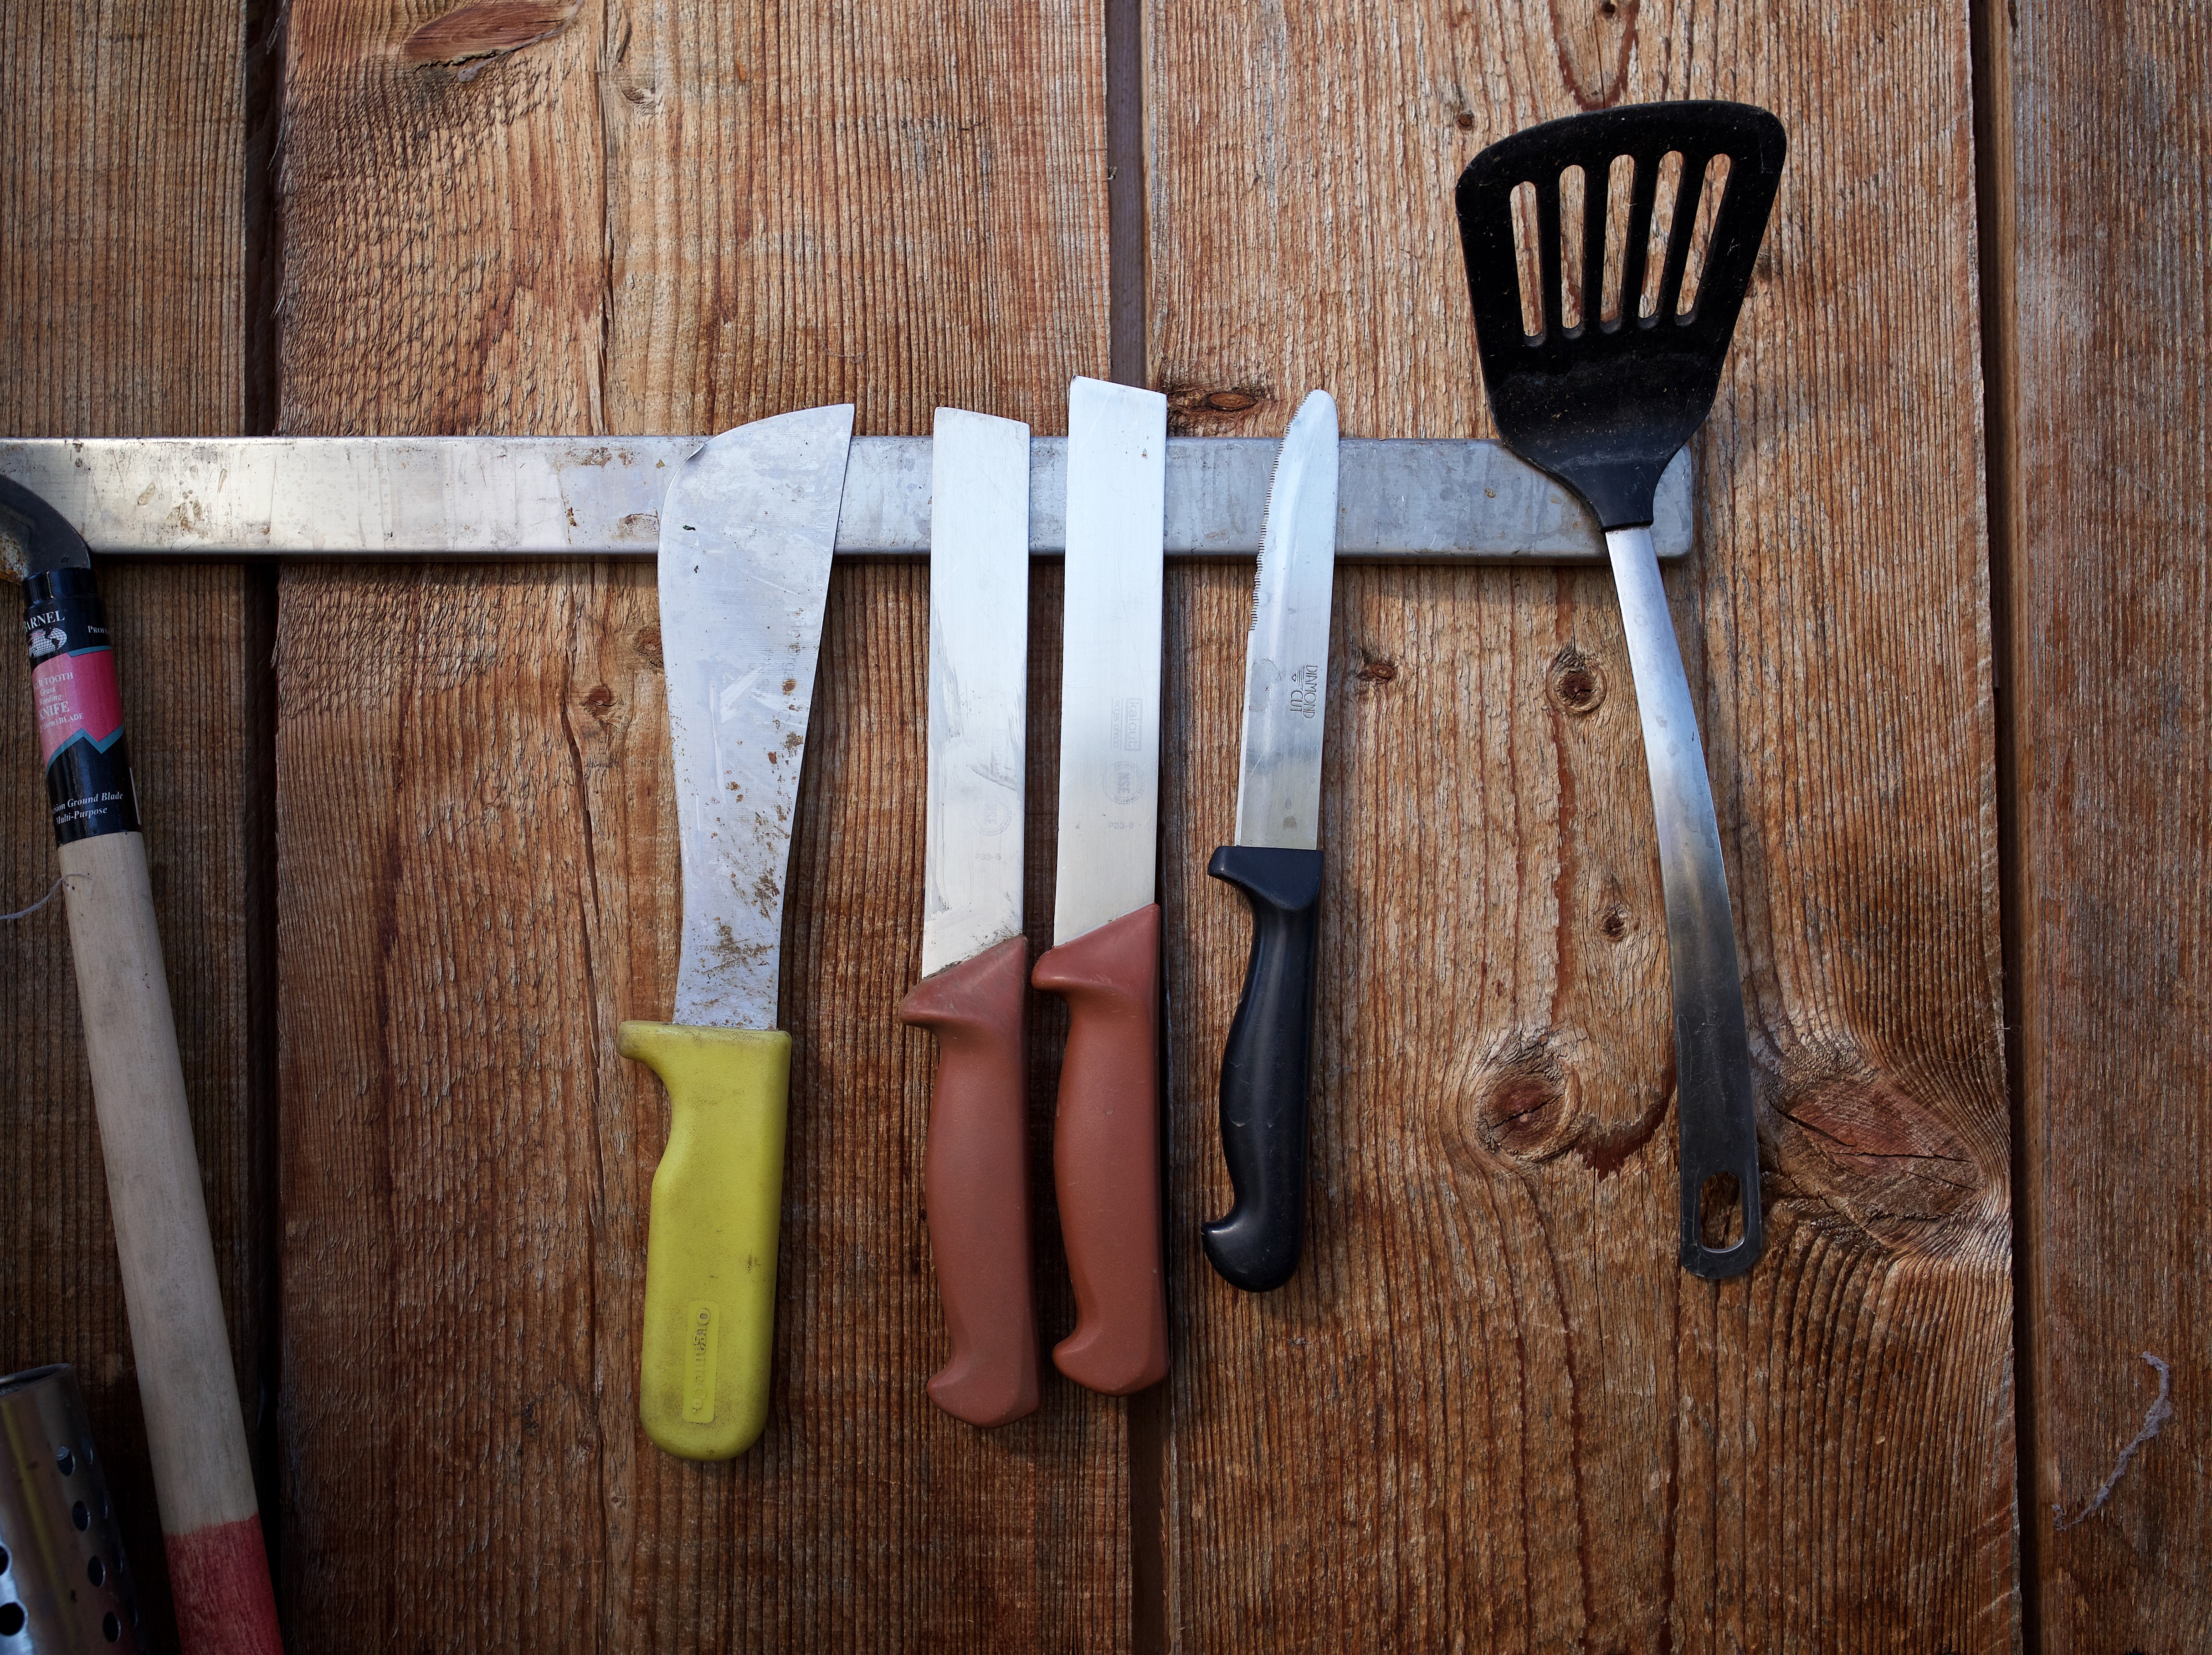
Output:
x,y
1399,500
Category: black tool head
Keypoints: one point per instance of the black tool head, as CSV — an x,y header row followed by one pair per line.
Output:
x,y
1604,405
49,540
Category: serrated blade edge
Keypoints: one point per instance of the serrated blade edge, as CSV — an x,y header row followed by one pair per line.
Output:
x,y
1286,651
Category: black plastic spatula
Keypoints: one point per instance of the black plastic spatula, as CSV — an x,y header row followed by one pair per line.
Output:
x,y
1603,406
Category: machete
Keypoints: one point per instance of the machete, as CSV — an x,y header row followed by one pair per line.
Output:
x,y
746,534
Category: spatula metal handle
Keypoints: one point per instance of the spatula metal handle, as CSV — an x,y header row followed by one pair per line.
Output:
x,y
975,1172
1712,1057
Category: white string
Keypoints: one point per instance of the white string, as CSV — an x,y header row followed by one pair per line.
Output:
x,y
24,913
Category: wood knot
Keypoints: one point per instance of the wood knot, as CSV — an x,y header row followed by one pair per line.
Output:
x,y
1200,410
1575,684
598,698
1525,1106
647,644
473,34
1375,669
1881,1156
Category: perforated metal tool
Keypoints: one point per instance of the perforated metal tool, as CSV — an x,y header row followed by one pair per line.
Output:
x,y
65,1586
1603,405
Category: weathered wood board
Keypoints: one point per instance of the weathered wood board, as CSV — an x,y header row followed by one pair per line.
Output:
x,y
121,302
656,218
1490,1409
1489,1412
2110,681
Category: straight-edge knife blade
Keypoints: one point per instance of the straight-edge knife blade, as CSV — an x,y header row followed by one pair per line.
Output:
x,y
979,569
973,994
1110,763
746,536
1286,652
1105,957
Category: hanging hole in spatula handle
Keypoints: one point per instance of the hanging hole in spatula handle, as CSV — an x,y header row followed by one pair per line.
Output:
x,y
1724,1216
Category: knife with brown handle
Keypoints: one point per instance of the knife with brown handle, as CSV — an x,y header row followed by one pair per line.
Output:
x,y
975,961
1104,961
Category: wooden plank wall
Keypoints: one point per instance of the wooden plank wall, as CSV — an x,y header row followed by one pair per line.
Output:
x,y
1490,1412
1493,1411
2100,182
122,277
656,218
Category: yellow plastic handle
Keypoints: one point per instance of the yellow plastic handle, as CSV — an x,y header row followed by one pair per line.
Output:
x,y
710,1253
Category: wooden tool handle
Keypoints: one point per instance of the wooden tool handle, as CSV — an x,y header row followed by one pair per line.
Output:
x,y
975,1170
1105,1155
195,1433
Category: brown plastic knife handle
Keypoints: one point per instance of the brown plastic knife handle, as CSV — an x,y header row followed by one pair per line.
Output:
x,y
976,1173
1105,1152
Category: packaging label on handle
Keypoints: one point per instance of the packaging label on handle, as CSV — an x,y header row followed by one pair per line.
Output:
x,y
79,709
77,699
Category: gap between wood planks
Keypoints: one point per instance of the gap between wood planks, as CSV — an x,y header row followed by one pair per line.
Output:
x,y
1990,24
260,405
1126,320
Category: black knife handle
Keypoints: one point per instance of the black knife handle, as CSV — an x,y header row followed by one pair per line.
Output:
x,y
1263,1068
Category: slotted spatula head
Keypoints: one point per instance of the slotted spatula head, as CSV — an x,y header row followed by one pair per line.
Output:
x,y
1604,405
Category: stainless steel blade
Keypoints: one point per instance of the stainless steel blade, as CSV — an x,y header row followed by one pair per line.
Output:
x,y
1286,654
979,615
1401,499
746,536
1109,715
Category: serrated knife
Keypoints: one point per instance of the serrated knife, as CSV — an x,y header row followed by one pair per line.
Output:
x,y
973,995
1104,961
746,534
1276,862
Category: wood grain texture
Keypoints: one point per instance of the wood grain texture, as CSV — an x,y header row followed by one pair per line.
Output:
x,y
901,206
1490,1408
120,299
2112,657
479,856
120,283
683,215
657,217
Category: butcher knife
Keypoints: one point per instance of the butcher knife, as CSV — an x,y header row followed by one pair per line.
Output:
x,y
975,961
1276,862
1104,961
746,534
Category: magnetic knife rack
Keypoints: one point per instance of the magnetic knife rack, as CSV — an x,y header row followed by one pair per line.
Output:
x,y
478,498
